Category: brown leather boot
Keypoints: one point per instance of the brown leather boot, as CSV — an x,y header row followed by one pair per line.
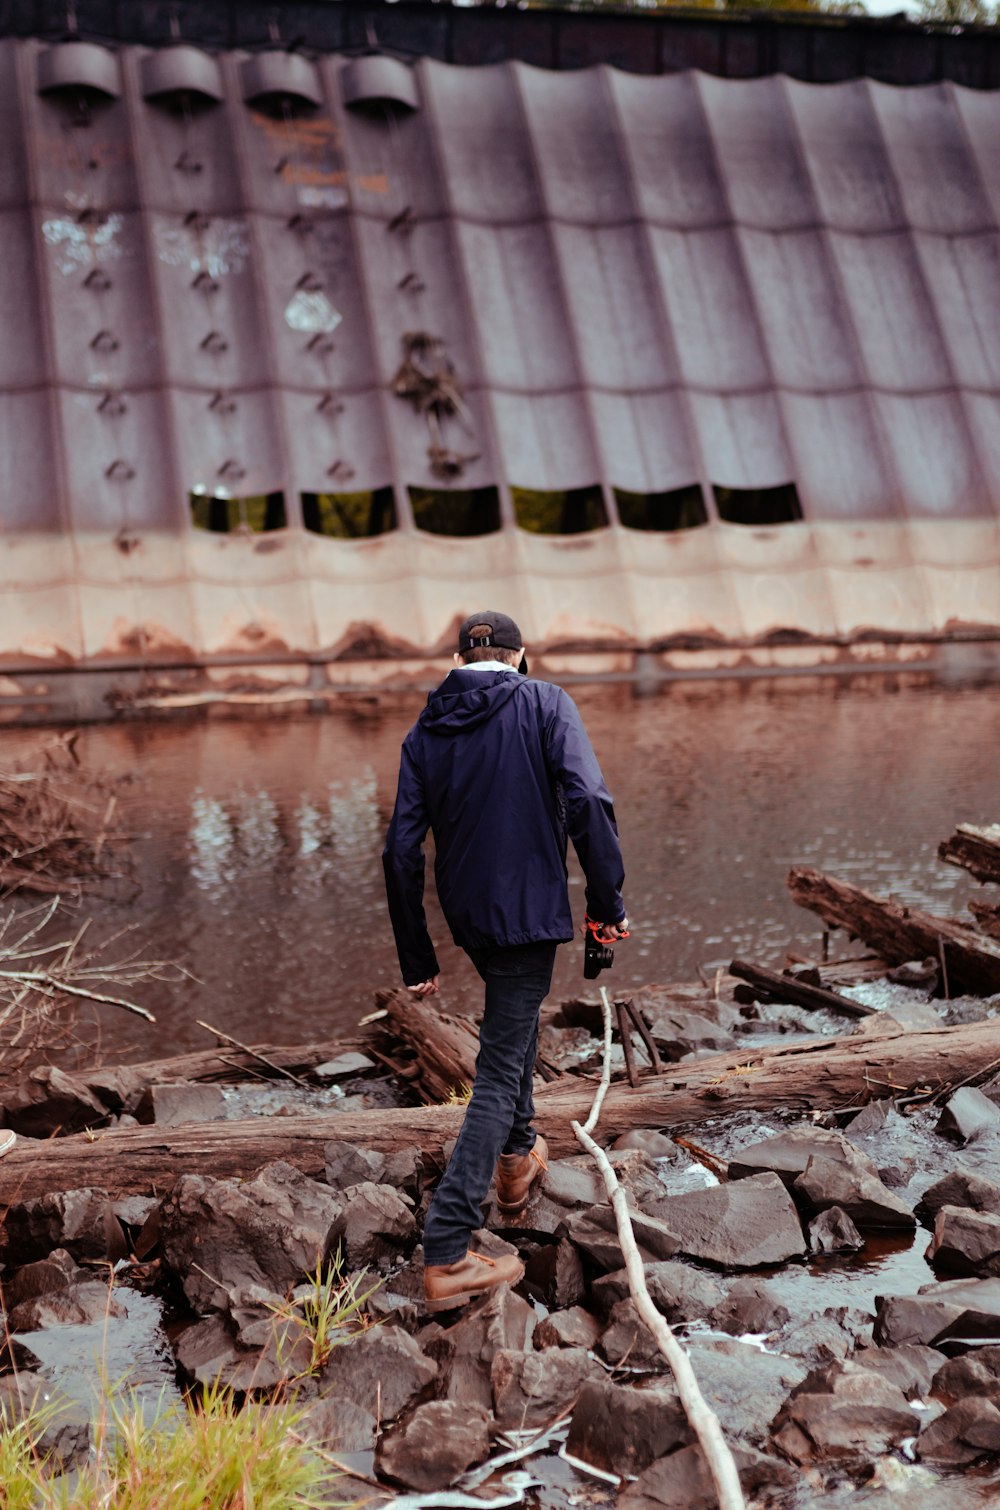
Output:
x,y
516,1173
450,1285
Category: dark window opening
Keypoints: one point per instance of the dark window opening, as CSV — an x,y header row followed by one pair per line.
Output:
x,y
456,511
350,516
571,512
778,505
676,509
257,513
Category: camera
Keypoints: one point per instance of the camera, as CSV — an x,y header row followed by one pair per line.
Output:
x,y
597,952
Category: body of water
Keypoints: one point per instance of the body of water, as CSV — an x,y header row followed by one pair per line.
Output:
x,y
257,843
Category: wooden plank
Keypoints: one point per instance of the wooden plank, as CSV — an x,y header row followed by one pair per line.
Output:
x,y
974,849
785,988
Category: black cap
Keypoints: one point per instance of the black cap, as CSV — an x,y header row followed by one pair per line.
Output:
x,y
503,632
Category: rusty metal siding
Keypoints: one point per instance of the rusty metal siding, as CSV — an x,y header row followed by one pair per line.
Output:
x,y
642,283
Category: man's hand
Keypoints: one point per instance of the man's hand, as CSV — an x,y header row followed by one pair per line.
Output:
x,y
608,933
426,987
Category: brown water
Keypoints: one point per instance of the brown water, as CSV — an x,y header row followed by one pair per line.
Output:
x,y
258,842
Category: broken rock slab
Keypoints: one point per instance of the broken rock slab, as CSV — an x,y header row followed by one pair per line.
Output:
x,y
66,1432
382,1371
626,1340
744,1386
973,1373
965,1242
172,1105
750,1306
961,1187
965,1433
854,1186
744,1224
843,1413
787,1153
967,1113
825,1338
49,1101
622,1430
554,1274
82,1222
374,1223
219,1235
439,1441
501,1322
681,1292
595,1233
939,1314
574,1327
533,1389
339,1425
832,1231
83,1303
57,1272
682,1480
208,1353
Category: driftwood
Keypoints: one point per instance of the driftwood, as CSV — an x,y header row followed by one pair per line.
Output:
x,y
799,993
898,932
974,849
820,1074
987,916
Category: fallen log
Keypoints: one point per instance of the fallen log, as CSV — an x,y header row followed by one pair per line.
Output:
x,y
819,1074
987,916
798,993
444,1048
898,932
974,849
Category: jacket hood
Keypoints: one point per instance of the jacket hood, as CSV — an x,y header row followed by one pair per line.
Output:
x,y
467,698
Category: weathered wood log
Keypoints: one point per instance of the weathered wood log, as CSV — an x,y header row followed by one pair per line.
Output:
x,y
974,849
444,1047
819,1074
786,988
899,932
987,916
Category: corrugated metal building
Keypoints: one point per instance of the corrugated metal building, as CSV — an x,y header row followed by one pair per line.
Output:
x,y
304,355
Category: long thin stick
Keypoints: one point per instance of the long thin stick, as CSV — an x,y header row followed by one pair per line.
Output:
x,y
55,985
277,1068
703,1420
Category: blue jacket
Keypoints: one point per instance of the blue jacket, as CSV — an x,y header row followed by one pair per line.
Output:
x,y
500,768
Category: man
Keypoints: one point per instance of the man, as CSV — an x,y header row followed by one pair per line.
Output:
x,y
500,768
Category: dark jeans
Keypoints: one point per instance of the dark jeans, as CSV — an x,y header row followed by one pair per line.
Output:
x,y
501,1110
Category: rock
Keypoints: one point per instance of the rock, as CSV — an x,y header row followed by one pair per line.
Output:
x,y
568,1184
744,1387
677,1033
832,1231
135,1210
434,1445
219,1235
911,1367
967,1112
574,1327
208,1353
682,1480
939,1313
347,1165
826,1338
595,1233
541,1221
742,1225
844,1413
655,1145
555,1275
680,1292
964,1433
57,1272
501,1322
49,1101
788,1153
373,1224
339,1425
627,1340
855,1187
353,1062
81,1304
750,1306
65,1435
402,1169
622,1430
961,1187
918,974
975,1373
533,1389
869,1120
382,1371
82,1222
171,1105
965,1242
